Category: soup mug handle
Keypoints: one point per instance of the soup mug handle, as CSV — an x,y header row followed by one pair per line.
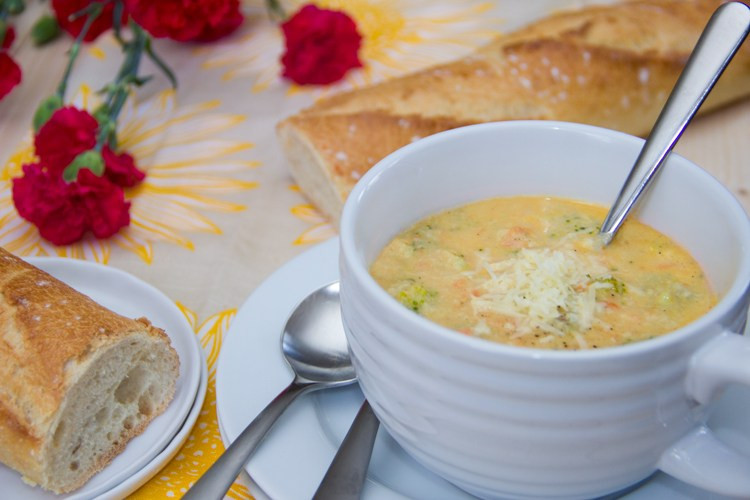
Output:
x,y
699,458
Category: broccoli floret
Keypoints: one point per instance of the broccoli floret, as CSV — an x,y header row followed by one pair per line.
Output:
x,y
617,285
414,296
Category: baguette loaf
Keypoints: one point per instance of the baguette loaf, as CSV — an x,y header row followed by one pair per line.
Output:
x,y
77,381
611,66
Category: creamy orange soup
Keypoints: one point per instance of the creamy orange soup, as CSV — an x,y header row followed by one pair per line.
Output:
x,y
531,271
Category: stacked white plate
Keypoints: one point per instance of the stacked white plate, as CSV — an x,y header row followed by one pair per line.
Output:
x,y
146,454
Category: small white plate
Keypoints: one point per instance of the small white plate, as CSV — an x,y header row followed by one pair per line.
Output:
x,y
131,297
295,455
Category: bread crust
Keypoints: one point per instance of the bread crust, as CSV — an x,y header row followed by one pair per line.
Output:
x,y
49,336
611,66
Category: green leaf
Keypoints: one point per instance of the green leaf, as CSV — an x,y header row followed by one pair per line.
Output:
x,y
160,63
45,30
14,7
107,128
275,11
46,108
107,132
101,114
91,160
140,81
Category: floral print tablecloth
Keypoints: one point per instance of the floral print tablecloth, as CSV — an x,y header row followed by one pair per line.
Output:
x,y
218,211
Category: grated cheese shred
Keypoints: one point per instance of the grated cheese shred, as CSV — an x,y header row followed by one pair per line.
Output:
x,y
543,289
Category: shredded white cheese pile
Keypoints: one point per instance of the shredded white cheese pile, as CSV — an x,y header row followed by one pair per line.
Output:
x,y
543,289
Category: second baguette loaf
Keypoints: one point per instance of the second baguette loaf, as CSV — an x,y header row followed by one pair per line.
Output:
x,y
611,66
77,381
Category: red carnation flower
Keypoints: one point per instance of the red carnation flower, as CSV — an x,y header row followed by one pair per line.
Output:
x,y
104,203
121,169
321,46
10,35
64,212
64,9
42,198
10,74
187,20
69,132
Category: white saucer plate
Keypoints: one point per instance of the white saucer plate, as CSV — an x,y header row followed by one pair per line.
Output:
x,y
146,454
295,455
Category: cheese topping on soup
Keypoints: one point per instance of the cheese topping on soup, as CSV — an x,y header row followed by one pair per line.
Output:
x,y
531,271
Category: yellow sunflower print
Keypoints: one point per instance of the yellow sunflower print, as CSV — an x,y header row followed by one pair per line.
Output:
x,y
189,170
320,227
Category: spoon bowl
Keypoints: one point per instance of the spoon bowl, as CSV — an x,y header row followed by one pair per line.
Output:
x,y
313,341
315,347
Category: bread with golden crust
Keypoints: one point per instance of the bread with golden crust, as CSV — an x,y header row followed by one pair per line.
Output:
x,y
609,65
77,381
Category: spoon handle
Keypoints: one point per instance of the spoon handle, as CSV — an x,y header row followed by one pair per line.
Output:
x,y
217,480
720,40
347,472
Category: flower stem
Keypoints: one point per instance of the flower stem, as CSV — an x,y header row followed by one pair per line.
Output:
x,y
3,21
119,90
94,10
